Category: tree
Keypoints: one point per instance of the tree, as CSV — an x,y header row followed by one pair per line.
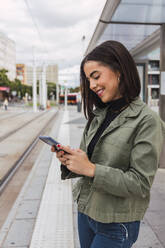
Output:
x,y
72,90
15,85
4,81
51,89
22,88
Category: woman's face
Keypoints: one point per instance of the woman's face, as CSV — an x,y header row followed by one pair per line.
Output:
x,y
103,81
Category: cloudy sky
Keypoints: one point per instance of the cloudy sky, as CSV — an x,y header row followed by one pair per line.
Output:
x,y
53,29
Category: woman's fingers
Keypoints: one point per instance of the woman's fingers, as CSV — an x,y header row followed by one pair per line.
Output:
x,y
59,154
53,149
67,149
64,155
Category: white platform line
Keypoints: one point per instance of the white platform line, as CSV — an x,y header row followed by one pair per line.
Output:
x,y
54,224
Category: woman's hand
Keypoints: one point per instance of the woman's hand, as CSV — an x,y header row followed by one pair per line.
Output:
x,y
76,161
59,154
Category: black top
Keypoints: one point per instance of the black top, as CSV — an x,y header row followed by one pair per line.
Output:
x,y
114,109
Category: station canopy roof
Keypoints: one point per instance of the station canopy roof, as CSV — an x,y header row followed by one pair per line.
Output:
x,y
129,21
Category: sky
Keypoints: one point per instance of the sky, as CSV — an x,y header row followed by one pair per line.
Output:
x,y
51,30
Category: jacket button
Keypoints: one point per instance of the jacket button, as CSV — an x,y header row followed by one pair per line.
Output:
x,y
82,207
143,195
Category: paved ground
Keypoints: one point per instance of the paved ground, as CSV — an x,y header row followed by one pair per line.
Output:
x,y
17,230
14,145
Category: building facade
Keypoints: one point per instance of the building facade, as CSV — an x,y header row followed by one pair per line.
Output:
x,y
51,74
8,56
21,73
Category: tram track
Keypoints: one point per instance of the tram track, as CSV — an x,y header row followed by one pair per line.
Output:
x,y
3,118
10,173
5,136
12,186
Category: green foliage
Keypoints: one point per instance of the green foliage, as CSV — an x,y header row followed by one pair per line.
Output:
x,y
72,90
4,81
51,89
20,88
15,85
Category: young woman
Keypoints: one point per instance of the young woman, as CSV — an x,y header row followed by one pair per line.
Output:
x,y
119,152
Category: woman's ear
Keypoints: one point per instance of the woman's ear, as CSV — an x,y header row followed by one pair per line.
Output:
x,y
118,76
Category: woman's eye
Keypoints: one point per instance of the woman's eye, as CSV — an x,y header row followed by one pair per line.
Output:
x,y
96,77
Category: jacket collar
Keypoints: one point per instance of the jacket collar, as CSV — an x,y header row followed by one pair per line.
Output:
x,y
133,109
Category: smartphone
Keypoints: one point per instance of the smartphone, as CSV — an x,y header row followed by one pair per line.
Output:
x,y
50,141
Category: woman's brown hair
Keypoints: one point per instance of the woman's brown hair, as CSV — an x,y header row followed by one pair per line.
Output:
x,y
114,55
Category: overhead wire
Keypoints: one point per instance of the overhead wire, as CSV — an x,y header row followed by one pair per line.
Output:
x,y
35,25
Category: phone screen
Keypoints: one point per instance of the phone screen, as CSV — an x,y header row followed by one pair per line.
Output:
x,y
50,141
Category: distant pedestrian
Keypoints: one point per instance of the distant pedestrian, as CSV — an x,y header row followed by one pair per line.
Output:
x,y
119,152
78,102
5,103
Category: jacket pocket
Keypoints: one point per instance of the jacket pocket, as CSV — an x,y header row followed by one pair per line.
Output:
x,y
112,230
119,144
114,154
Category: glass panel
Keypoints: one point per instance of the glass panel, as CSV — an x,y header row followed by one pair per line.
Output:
x,y
141,67
153,79
155,93
153,65
129,35
146,11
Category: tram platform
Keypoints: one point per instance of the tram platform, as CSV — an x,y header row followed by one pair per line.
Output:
x,y
44,215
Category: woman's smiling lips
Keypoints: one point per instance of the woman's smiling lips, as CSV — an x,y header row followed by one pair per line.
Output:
x,y
100,92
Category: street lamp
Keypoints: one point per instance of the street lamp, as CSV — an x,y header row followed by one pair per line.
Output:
x,y
83,45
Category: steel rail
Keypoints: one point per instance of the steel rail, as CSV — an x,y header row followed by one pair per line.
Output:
x,y
5,136
4,181
3,118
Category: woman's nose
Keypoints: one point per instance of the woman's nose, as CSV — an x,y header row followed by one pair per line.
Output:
x,y
93,84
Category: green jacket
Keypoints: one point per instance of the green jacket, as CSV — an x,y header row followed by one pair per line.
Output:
x,y
126,158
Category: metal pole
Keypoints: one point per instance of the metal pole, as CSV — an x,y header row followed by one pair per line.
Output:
x,y
34,85
40,91
83,45
44,94
42,88
57,93
66,102
162,70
